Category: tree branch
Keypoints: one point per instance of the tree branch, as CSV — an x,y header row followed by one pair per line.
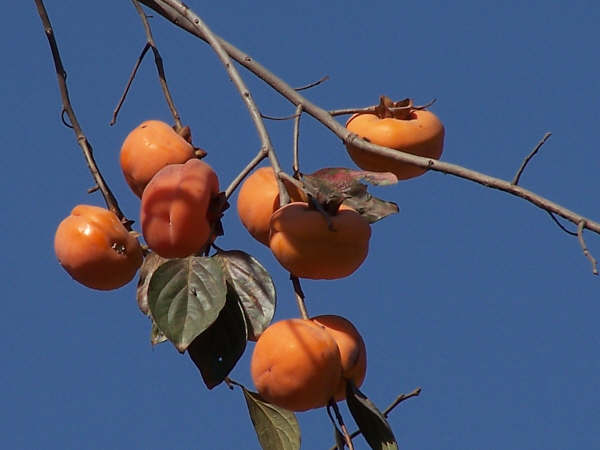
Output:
x,y
86,147
167,9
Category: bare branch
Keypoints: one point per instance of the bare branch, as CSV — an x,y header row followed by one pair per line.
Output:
x,y
171,9
186,15
86,147
528,158
586,252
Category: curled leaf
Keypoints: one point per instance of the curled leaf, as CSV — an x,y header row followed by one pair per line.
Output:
x,y
332,186
254,287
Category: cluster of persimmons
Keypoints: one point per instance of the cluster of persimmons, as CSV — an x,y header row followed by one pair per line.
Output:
x,y
297,364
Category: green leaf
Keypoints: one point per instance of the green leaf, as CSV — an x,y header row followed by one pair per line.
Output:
x,y
185,297
332,186
254,287
276,428
217,350
371,422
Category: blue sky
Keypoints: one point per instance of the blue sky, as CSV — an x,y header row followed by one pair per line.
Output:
x,y
471,294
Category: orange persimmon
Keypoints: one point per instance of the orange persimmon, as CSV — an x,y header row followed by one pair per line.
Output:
x,y
353,351
148,148
96,249
175,210
399,126
258,199
296,365
304,243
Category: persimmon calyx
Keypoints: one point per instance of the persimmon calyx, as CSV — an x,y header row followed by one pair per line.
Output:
x,y
401,109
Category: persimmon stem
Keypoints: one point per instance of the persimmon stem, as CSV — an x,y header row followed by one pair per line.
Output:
x,y
299,296
86,147
296,165
340,420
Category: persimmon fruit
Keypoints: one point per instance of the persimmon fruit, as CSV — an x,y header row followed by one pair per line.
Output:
x,y
258,199
303,242
353,352
296,365
175,209
96,249
148,148
399,126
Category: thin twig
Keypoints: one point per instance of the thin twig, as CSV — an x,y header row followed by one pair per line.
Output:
x,y
136,66
340,420
389,409
586,252
265,116
296,164
348,111
262,154
560,225
528,158
399,400
313,84
86,147
299,296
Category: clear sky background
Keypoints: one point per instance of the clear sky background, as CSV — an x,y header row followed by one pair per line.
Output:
x,y
471,294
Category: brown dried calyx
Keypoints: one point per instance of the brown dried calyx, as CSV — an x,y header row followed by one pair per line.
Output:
x,y
402,109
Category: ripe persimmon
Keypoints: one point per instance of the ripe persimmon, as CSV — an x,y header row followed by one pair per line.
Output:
x,y
175,210
258,199
304,243
399,126
148,148
353,351
96,249
296,365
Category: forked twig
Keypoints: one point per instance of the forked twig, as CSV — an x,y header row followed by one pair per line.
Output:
x,y
150,44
